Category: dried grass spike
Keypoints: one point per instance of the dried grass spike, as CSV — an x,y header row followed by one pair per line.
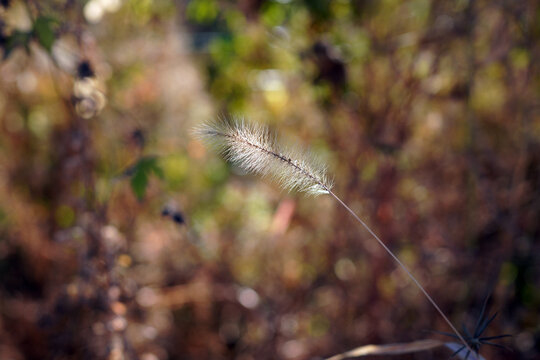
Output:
x,y
251,147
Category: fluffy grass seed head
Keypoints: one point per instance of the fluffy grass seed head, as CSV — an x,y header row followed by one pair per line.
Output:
x,y
251,147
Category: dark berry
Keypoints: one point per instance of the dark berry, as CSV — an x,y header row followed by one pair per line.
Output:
x,y
178,218
85,70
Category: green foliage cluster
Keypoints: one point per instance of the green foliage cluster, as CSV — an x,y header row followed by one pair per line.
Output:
x,y
43,29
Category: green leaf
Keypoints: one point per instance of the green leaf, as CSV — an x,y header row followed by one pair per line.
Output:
x,y
43,30
202,11
139,181
140,173
15,40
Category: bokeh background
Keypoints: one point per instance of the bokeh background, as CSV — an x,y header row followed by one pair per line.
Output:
x,y
123,237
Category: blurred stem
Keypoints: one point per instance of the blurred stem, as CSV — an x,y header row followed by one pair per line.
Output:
x,y
472,127
404,268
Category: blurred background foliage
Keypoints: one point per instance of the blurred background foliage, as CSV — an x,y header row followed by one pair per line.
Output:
x,y
122,237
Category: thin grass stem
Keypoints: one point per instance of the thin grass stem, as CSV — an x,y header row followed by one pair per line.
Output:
x,y
404,268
